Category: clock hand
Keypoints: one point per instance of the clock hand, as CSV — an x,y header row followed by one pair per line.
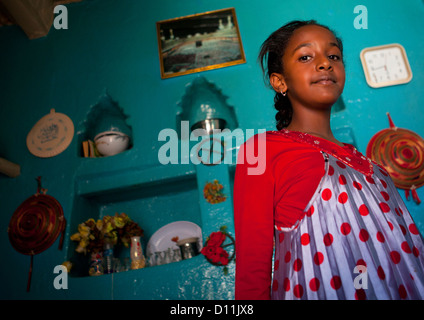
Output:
x,y
377,68
384,66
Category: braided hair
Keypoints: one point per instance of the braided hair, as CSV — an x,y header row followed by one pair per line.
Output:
x,y
271,61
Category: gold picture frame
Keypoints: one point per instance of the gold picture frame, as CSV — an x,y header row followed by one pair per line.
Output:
x,y
199,42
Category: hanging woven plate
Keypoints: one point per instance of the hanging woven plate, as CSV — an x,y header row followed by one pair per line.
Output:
x,y
51,135
36,224
401,152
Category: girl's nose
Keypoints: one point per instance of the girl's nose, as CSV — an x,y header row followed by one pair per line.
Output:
x,y
324,64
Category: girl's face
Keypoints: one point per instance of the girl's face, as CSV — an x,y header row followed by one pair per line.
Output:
x,y
314,73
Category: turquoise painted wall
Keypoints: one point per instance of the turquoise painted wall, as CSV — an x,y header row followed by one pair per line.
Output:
x,y
111,45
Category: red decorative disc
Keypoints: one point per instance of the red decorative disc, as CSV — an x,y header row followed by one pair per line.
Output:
x,y
36,224
401,152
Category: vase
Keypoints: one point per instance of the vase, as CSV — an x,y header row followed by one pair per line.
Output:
x,y
96,268
137,258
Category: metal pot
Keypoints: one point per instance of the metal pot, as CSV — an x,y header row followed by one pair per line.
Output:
x,y
209,125
189,247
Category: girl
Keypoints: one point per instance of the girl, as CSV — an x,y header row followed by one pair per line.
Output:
x,y
338,225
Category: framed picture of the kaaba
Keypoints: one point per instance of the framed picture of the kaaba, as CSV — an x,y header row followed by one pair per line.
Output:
x,y
199,42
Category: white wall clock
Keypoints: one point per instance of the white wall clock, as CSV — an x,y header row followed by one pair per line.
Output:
x,y
386,65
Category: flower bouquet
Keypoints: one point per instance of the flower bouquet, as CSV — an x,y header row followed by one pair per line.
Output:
x,y
213,193
92,235
214,250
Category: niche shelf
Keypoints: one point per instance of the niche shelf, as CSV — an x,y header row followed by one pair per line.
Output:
x,y
204,106
104,116
151,204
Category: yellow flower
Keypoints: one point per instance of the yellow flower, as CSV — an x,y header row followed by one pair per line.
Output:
x,y
108,227
107,219
112,237
83,230
80,249
119,221
126,243
99,225
68,265
76,237
84,243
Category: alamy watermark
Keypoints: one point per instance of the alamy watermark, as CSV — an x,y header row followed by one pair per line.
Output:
x,y
212,148
61,280
61,20
361,280
361,20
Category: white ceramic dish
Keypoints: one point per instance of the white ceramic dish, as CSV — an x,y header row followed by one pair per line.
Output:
x,y
161,240
109,143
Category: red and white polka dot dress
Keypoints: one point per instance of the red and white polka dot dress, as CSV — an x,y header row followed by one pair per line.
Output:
x,y
356,240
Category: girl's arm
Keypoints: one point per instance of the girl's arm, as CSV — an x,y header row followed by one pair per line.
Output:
x,y
254,229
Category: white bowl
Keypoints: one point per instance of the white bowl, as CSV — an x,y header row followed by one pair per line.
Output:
x,y
109,143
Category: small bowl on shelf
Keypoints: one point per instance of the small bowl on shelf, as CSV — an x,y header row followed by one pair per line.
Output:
x,y
188,247
109,143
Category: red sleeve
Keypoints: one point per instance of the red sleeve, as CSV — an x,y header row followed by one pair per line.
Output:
x,y
277,196
254,226
299,169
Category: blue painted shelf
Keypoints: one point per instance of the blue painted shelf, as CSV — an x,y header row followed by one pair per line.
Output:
x,y
148,194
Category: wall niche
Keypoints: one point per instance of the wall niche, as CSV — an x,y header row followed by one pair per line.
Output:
x,y
204,106
105,131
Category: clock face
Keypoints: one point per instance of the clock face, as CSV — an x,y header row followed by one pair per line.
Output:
x,y
386,65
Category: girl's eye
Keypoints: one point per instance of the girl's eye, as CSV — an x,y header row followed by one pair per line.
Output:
x,y
334,57
304,58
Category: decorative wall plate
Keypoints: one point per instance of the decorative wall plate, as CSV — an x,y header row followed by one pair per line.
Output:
x,y
51,135
36,224
401,152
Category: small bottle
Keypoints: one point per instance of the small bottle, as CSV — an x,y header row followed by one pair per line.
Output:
x,y
137,258
108,258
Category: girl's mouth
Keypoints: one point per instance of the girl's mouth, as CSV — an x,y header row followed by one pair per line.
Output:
x,y
325,80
